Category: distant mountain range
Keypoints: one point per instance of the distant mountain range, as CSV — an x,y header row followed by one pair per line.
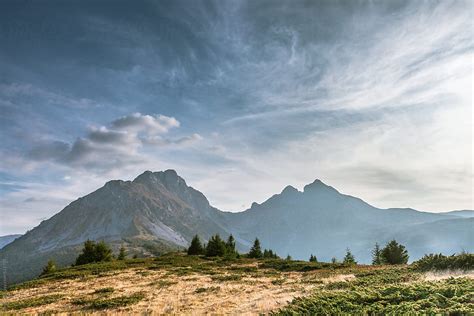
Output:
x,y
5,240
158,212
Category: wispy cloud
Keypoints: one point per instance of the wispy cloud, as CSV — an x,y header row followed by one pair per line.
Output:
x,y
375,98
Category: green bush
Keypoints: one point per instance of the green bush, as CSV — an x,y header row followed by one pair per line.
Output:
x,y
462,261
49,268
94,252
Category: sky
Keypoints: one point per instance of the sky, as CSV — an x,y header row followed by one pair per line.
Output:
x,y
241,98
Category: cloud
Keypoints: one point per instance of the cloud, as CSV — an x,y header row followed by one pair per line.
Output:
x,y
375,98
158,124
109,147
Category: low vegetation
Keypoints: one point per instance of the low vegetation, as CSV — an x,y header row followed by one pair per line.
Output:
x,y
463,261
375,294
31,302
101,282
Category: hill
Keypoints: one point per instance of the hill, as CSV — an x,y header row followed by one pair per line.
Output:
x,y
179,284
158,212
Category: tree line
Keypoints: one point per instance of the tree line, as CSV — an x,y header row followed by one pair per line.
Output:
x,y
392,253
217,247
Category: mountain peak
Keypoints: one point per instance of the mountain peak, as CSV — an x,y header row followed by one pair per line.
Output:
x,y
169,176
289,189
318,185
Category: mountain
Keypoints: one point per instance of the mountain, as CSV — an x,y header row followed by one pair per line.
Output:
x,y
5,240
322,221
158,211
154,213
461,213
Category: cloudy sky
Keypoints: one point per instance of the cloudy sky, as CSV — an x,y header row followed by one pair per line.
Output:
x,y
240,97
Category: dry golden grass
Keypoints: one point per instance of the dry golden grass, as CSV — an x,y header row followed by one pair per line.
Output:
x,y
165,292
172,285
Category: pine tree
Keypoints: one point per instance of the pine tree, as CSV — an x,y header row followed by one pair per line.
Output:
x,y
255,251
93,252
394,253
196,247
49,268
88,253
376,255
102,252
333,260
313,258
269,254
230,247
122,254
349,258
288,258
216,247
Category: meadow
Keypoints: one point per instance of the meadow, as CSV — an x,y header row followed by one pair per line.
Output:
x,y
177,283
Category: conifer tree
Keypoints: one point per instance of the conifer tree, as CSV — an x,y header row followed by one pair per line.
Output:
x,y
313,258
230,246
88,253
122,254
49,268
196,247
376,255
93,252
394,253
102,252
349,258
289,258
255,251
216,247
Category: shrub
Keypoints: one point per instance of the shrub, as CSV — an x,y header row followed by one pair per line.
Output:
x,y
462,261
49,268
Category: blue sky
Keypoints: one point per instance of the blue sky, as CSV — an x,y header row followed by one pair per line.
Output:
x,y
240,97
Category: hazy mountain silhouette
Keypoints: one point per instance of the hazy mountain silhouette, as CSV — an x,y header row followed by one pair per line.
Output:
x,y
5,240
157,212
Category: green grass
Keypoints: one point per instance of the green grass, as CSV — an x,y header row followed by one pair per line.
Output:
x,y
297,266
114,302
227,277
33,302
117,301
207,289
104,290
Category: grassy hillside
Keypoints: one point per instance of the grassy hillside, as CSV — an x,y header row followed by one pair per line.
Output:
x,y
176,283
